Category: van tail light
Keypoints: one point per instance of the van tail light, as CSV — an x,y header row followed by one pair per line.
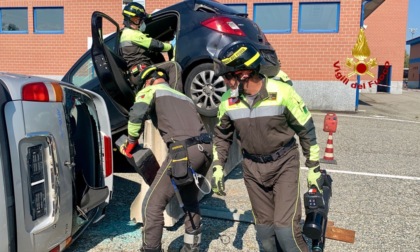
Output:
x,y
42,92
108,156
62,246
224,25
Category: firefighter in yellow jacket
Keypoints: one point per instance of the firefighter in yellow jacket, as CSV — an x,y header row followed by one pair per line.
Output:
x,y
190,151
141,51
265,115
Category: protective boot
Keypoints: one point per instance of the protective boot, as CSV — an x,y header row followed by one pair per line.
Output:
x,y
192,241
267,237
158,249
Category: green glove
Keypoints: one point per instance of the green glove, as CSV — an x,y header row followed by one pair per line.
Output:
x,y
217,181
315,178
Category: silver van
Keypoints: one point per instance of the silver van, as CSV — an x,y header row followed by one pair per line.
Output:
x,y
56,169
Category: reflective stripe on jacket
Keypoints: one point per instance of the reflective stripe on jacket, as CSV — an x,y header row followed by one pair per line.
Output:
x,y
173,113
277,114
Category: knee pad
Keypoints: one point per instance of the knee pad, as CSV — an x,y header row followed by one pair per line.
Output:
x,y
267,237
288,241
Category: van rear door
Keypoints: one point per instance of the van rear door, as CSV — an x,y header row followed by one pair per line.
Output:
x,y
7,206
57,157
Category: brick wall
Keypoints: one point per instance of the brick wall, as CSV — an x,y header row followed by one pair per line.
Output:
x,y
386,34
303,56
413,72
415,51
311,56
52,54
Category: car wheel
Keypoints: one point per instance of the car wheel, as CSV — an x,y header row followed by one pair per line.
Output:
x,y
205,89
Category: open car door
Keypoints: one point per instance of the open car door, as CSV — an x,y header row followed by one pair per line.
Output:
x,y
110,67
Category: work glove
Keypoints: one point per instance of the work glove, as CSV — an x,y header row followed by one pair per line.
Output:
x,y
127,147
217,180
315,178
171,52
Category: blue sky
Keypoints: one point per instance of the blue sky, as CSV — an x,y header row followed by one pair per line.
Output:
x,y
413,20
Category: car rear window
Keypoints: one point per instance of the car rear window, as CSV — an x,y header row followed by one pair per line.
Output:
x,y
216,7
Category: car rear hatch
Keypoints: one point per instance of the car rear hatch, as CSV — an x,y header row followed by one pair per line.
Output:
x,y
229,21
215,16
60,145
249,28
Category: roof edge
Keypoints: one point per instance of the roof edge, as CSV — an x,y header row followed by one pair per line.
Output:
x,y
371,6
413,41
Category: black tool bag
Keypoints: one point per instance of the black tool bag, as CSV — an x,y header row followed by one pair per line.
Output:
x,y
180,171
143,161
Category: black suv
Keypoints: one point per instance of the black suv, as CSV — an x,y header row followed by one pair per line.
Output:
x,y
201,28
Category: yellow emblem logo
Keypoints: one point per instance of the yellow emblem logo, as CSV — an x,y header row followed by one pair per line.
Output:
x,y
361,52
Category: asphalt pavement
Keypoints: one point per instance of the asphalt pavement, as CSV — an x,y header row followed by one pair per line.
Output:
x,y
376,188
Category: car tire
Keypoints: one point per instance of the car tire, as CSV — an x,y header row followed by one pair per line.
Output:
x,y
205,89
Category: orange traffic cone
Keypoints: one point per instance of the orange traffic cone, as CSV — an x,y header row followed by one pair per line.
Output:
x,y
329,151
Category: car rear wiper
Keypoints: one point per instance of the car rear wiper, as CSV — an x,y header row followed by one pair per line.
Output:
x,y
245,15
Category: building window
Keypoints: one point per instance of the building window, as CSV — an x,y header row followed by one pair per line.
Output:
x,y
319,17
240,8
273,18
48,20
14,20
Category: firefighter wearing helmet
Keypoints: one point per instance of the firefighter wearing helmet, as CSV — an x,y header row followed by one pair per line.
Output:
x,y
141,51
265,115
189,151
134,13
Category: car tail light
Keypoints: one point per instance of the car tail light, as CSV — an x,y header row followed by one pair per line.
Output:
x,y
224,25
42,92
108,156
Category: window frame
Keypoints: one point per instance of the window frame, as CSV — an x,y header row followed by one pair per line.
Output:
x,y
36,22
275,31
14,32
337,18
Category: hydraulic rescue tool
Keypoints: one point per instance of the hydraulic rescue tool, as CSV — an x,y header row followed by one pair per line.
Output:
x,y
316,209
